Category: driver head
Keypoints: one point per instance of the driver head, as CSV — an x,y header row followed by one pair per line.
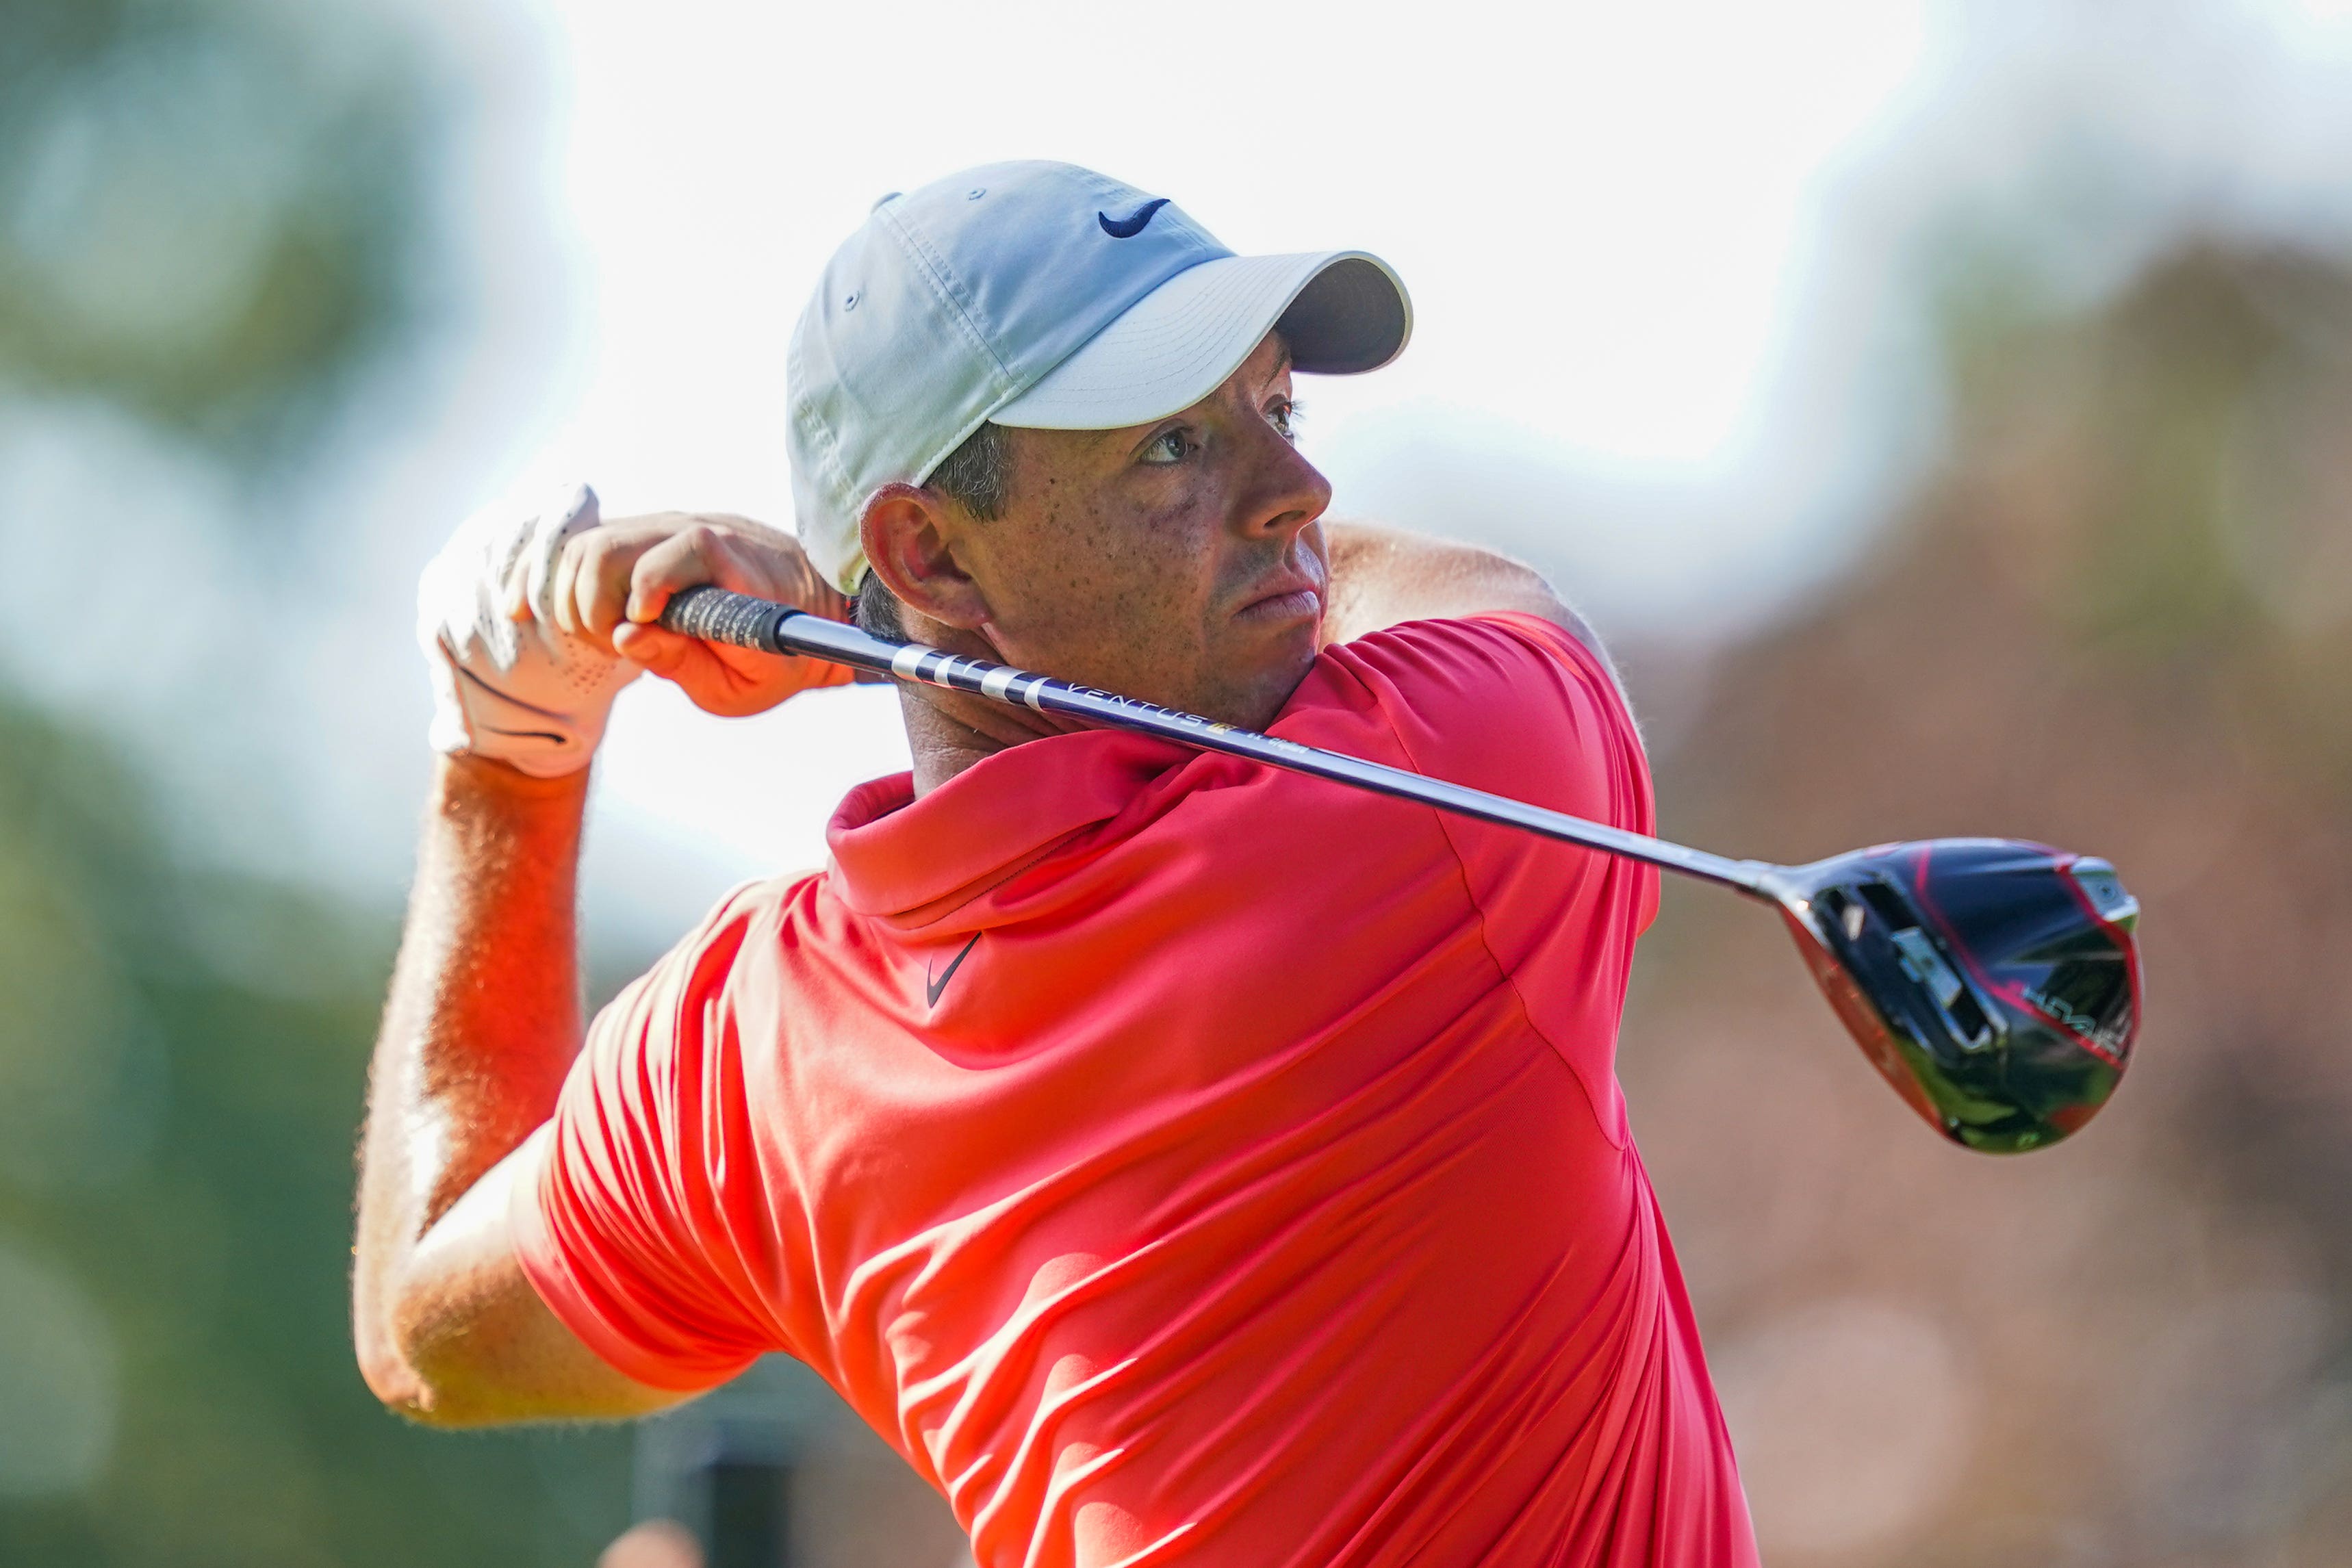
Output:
x,y
1995,984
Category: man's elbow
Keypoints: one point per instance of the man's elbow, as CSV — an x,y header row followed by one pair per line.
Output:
x,y
413,1397
395,1384
410,1380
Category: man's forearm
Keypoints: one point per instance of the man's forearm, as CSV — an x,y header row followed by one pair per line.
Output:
x,y
482,1022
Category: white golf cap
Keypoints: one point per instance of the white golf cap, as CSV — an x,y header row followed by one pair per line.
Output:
x,y
1045,296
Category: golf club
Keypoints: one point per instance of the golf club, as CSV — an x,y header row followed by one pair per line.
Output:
x,y
1995,984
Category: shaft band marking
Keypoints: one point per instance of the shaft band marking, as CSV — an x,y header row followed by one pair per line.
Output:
x,y
756,624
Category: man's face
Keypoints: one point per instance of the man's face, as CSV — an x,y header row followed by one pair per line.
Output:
x,y
1182,561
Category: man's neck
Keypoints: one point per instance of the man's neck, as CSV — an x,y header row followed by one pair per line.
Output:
x,y
947,732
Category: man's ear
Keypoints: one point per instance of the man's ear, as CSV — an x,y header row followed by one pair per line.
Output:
x,y
907,533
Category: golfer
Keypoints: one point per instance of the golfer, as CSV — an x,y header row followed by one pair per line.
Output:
x,y
1178,1161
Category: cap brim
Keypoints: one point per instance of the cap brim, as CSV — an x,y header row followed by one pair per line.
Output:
x,y
1340,312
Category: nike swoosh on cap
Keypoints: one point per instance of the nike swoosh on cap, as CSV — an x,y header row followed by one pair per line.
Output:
x,y
1133,224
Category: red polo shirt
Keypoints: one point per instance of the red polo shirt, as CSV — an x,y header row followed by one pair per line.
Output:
x,y
1180,1161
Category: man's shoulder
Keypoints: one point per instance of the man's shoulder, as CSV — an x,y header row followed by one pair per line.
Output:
x,y
1503,659
762,897
749,913
1504,701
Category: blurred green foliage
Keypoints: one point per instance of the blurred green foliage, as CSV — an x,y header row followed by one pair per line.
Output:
x,y
213,220
181,1059
210,210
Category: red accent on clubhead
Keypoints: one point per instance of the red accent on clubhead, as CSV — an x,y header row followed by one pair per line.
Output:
x,y
2015,994
1861,1020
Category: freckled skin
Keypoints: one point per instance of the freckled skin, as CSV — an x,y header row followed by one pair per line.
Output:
x,y
1141,561
1129,559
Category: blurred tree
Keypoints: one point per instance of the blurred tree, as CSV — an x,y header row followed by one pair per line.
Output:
x,y
180,1060
215,215
209,209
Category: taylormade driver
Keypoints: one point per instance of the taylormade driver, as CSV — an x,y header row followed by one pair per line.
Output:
x,y
1995,984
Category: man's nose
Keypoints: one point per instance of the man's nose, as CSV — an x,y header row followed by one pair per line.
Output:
x,y
1285,492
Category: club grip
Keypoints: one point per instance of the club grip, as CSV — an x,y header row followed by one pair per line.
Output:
x,y
716,616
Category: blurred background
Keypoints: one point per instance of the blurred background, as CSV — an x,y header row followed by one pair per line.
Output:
x,y
1945,408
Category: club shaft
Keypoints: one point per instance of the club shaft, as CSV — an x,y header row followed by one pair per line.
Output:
x,y
716,616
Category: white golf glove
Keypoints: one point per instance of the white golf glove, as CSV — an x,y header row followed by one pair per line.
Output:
x,y
508,683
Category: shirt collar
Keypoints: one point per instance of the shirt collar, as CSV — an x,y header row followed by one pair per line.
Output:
x,y
912,861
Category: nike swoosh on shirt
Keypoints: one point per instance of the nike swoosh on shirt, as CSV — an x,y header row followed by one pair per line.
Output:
x,y
1133,224
939,985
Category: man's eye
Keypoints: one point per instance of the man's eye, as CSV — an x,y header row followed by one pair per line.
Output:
x,y
1169,447
1284,416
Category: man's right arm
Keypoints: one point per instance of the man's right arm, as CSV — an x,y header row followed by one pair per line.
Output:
x,y
481,1025
483,1020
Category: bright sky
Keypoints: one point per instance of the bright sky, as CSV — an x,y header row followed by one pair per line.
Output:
x,y
1594,206
1664,262
1598,210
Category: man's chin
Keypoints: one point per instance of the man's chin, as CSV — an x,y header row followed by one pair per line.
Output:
x,y
1254,700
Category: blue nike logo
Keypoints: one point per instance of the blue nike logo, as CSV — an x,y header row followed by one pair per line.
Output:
x,y
1132,224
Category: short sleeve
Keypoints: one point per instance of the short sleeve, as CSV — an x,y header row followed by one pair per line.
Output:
x,y
632,1219
1516,705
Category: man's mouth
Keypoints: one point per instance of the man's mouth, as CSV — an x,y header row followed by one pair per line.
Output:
x,y
1286,598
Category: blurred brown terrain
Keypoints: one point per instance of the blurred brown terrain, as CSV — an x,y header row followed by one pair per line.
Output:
x,y
2117,618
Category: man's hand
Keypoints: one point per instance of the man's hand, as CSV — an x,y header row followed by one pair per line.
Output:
x,y
532,623
612,583
509,685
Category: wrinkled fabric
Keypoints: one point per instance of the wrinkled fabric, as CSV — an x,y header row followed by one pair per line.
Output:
x,y
1179,1161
